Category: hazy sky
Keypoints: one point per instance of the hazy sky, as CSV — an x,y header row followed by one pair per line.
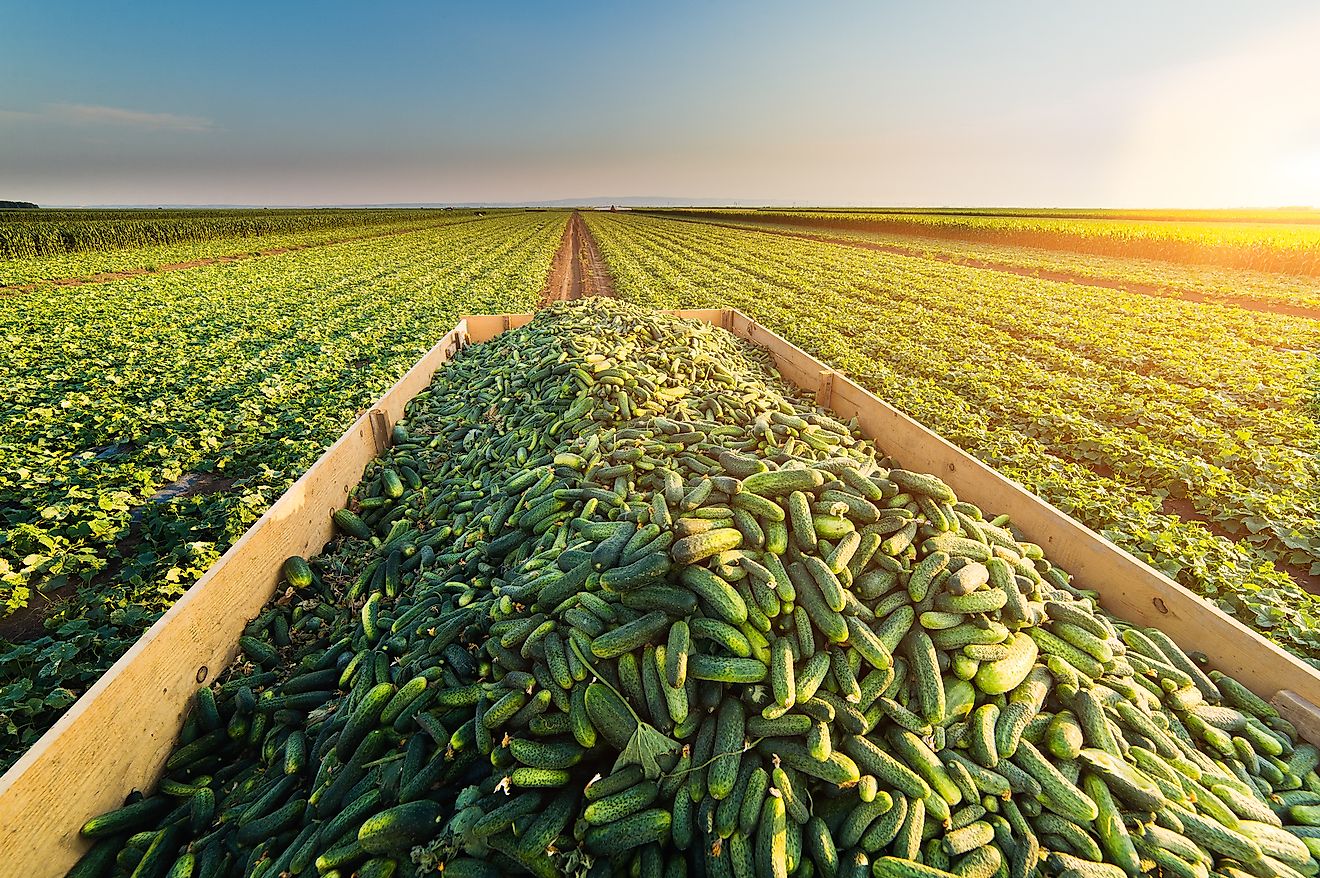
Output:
x,y
1124,103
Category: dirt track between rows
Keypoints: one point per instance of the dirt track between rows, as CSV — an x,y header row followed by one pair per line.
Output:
x,y
1020,271
577,270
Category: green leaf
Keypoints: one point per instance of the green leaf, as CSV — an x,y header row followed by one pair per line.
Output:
x,y
647,747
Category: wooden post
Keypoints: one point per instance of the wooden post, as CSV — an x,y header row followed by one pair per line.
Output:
x,y
1300,712
825,388
380,430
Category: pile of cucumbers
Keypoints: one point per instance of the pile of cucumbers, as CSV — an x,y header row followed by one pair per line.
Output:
x,y
615,602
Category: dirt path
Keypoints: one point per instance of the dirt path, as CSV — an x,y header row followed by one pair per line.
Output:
x,y
578,269
1038,273
560,281
596,277
108,276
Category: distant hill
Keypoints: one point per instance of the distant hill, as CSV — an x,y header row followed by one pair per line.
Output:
x,y
17,205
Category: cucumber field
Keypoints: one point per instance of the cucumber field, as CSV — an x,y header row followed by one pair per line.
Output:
x,y
1187,432
167,384
685,440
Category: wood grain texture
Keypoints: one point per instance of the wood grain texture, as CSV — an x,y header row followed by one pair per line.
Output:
x,y
1303,714
116,737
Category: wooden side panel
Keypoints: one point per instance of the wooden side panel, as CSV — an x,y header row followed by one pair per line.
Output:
x,y
1130,589
484,327
116,737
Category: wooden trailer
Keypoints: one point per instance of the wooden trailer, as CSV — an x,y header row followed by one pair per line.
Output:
x,y
116,737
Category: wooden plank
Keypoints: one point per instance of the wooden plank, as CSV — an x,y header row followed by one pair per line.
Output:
x,y
116,737
1130,589
484,327
1300,712
380,429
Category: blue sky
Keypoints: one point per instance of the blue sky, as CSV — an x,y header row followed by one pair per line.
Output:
x,y
1009,103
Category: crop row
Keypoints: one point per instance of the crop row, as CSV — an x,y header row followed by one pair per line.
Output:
x,y
145,426
1120,409
55,267
28,233
1273,247
1234,285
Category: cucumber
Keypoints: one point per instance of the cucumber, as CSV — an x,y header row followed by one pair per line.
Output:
x,y
1063,737
920,483
827,582
609,715
621,836
622,804
645,571
771,853
624,778
782,682
676,653
1109,826
723,598
546,754
838,770
607,552
125,819
730,740
391,485
876,760
627,638
397,829
801,524
778,483
865,641
545,828
721,633
351,525
826,619
698,547
726,670
1062,794
919,582
298,572
925,668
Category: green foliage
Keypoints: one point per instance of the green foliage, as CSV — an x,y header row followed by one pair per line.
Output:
x,y
1288,242
47,232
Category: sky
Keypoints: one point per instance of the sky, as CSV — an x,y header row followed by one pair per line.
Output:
x,y
1127,103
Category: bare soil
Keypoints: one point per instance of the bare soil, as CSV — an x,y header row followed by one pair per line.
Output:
x,y
597,280
1040,273
577,269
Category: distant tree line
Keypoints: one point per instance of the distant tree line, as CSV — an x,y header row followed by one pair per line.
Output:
x,y
17,205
